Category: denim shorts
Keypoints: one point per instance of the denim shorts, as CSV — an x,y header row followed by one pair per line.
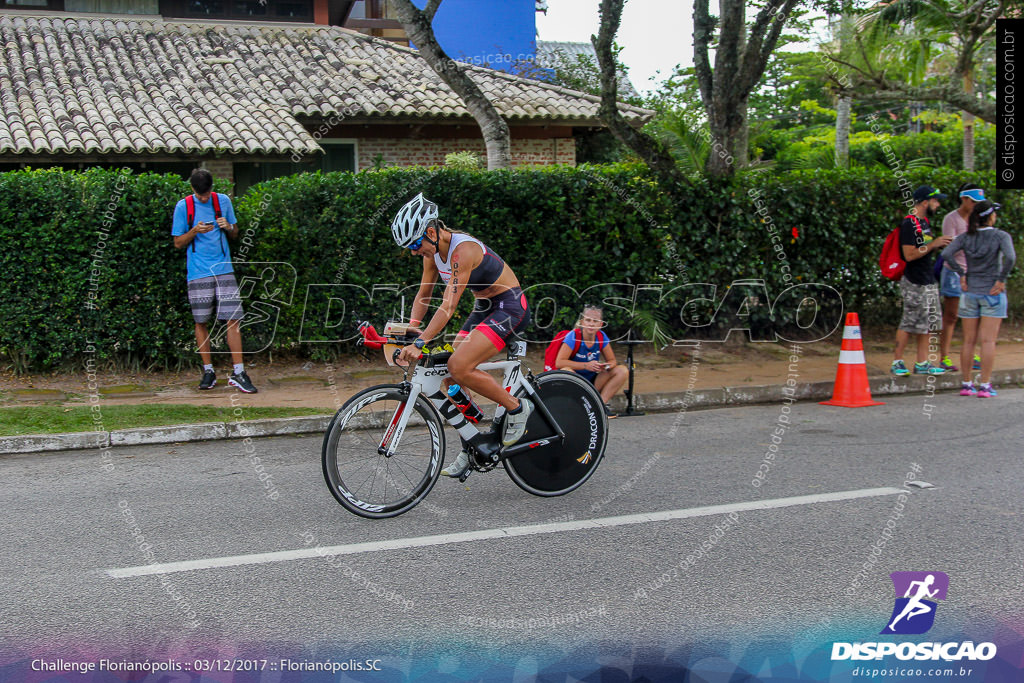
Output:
x,y
949,283
983,305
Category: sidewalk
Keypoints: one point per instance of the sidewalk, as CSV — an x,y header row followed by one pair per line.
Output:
x,y
672,379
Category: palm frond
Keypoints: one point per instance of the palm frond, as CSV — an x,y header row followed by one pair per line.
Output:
x,y
652,325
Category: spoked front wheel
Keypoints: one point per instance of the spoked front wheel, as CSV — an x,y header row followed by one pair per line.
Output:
x,y
358,472
557,468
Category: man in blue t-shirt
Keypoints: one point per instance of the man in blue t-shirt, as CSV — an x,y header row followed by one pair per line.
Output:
x,y
592,357
211,281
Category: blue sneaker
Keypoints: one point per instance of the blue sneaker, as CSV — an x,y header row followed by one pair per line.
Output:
x,y
976,365
899,368
927,368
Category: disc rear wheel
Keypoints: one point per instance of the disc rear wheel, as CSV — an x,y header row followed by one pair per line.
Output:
x,y
558,468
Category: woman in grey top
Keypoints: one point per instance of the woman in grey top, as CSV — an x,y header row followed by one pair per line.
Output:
x,y
990,258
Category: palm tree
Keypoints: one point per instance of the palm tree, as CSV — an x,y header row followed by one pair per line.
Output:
x,y
845,103
915,33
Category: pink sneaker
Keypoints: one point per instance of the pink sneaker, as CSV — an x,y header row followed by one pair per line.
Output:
x,y
968,390
985,391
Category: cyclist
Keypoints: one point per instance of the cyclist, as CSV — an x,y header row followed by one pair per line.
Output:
x,y
500,312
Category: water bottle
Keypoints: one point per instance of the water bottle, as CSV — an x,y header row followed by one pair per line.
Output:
x,y
464,404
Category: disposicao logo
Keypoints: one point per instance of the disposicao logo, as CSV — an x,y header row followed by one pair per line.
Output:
x,y
912,614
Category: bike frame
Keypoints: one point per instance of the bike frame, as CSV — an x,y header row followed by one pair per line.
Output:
x,y
427,380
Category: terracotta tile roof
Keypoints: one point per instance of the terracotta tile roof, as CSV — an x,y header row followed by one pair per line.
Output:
x,y
120,86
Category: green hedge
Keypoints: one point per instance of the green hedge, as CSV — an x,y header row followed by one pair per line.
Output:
x,y
575,226
937,149
941,148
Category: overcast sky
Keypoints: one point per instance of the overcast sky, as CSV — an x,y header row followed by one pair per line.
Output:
x,y
655,34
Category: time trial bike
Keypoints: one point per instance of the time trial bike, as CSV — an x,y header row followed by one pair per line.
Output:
x,y
385,447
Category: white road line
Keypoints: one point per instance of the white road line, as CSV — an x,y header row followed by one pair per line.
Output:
x,y
488,534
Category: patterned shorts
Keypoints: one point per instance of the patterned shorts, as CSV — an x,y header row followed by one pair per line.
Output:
x,y
921,313
217,290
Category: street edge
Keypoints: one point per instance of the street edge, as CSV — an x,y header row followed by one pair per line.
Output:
x,y
694,399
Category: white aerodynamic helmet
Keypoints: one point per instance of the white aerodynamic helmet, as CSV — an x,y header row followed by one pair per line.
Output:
x,y
412,220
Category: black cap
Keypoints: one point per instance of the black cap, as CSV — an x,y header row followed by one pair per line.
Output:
x,y
927,192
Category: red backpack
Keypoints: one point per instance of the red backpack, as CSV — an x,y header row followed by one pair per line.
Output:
x,y
891,260
551,354
190,215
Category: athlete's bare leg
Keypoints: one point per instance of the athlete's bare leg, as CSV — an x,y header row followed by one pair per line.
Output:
x,y
475,350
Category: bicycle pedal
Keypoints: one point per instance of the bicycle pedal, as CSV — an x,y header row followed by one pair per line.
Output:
x,y
465,475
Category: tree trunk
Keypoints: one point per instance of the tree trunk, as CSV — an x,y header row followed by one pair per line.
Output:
x,y
845,103
495,131
725,131
741,145
843,132
650,150
740,60
968,119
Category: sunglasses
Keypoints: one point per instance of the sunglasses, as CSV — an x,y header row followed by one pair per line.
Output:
x,y
417,244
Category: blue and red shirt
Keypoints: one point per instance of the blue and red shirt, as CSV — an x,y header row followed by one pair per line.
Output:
x,y
587,352
209,253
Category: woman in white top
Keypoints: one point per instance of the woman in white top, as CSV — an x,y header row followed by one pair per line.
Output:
x,y
499,314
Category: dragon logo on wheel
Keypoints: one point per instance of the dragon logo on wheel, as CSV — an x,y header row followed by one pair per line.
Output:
x,y
592,419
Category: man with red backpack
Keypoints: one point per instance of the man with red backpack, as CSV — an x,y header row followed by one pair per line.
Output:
x,y
201,224
918,286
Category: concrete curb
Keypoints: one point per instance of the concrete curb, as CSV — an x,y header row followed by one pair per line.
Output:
x,y
695,399
174,434
276,426
35,443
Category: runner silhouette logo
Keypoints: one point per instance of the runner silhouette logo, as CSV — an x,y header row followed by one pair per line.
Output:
x,y
914,611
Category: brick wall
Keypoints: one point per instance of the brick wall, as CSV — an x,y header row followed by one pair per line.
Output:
x,y
431,152
220,168
407,152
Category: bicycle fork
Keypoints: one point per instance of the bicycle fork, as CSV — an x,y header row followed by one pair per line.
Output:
x,y
451,414
399,420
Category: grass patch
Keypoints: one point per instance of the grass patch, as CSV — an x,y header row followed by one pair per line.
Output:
x,y
17,421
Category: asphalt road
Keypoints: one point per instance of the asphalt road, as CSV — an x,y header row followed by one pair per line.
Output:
x,y
791,570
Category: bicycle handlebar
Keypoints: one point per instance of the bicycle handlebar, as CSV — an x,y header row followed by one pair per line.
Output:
x,y
370,337
374,340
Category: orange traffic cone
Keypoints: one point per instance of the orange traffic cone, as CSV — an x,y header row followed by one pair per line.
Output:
x,y
851,389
